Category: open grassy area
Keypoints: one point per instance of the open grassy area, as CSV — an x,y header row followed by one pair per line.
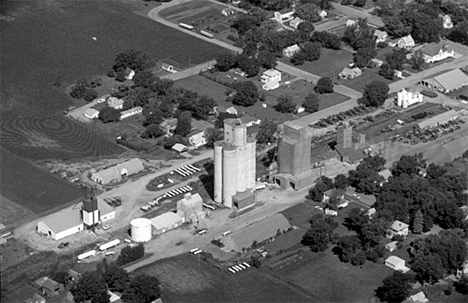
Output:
x,y
368,75
330,64
203,86
188,278
324,275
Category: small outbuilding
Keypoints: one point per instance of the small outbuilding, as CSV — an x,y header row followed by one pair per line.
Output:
x,y
391,246
180,148
396,263
289,51
91,113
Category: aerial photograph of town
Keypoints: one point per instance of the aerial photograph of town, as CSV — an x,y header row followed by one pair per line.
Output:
x,y
234,151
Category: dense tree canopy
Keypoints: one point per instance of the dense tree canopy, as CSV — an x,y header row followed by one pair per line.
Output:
x,y
311,103
246,95
326,39
267,131
184,124
324,86
136,60
320,233
89,285
285,104
395,288
375,94
109,114
142,289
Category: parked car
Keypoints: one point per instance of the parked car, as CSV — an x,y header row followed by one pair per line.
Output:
x,y
63,245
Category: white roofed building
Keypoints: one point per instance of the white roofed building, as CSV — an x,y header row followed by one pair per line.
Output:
x,y
61,224
406,98
165,222
91,113
190,208
289,51
269,75
131,112
396,263
115,103
398,228
117,172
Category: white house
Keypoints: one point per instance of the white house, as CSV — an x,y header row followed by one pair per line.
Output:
x,y
91,113
289,51
446,21
131,112
420,297
396,263
350,73
61,224
391,246
284,16
323,13
271,74
129,73
232,110
406,98
103,98
271,85
350,22
381,36
406,42
227,12
398,228
197,138
115,103
250,121
294,23
433,52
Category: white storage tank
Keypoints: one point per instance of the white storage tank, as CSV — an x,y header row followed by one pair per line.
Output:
x,y
141,230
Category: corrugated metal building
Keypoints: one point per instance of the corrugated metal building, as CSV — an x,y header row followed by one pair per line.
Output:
x,y
439,119
119,171
165,222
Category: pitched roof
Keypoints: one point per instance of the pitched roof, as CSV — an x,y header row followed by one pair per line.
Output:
x,y
451,79
104,208
91,112
398,225
137,109
132,166
271,73
394,260
443,117
113,101
292,48
165,220
179,147
259,231
407,39
63,220
432,49
50,284
380,34
191,199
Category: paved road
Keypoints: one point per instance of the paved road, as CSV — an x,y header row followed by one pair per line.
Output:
x,y
352,12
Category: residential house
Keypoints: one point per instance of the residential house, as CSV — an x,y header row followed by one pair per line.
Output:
x,y
74,275
250,121
115,103
420,297
396,263
323,13
350,73
433,52
398,228
351,22
117,172
239,72
169,125
329,193
294,23
48,286
464,210
406,98
232,110
406,42
269,75
289,51
371,212
91,113
35,299
61,224
114,297
165,222
284,16
131,112
103,98
271,85
197,138
129,73
391,246
398,74
446,81
180,148
331,212
228,11
381,36
446,21
374,62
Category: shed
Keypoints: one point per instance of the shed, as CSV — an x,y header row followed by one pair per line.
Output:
x,y
129,73
180,148
232,110
91,113
244,199
118,172
420,297
61,224
165,222
396,263
197,138
391,246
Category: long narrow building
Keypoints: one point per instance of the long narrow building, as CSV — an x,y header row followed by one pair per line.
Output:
x,y
234,166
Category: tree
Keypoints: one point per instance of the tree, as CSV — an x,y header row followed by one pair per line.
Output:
x,y
184,124
285,104
247,64
341,182
133,59
356,220
109,114
386,71
152,114
375,94
247,94
324,86
212,135
461,285
90,94
307,12
418,222
311,50
267,130
347,246
416,62
89,285
363,56
255,261
360,3
298,58
311,103
320,233
323,4
395,288
144,79
80,88
429,268
116,278
305,29
396,59
266,60
152,131
101,297
129,253
328,40
142,289
410,165
223,116
225,62
394,27
202,107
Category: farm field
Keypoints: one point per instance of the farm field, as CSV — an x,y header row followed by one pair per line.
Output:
x,y
188,278
324,275
30,189
330,64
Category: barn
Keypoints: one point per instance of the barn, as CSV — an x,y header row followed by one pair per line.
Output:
x,y
118,172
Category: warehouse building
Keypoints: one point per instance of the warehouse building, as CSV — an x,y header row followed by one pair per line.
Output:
x,y
61,224
118,172
165,222
446,81
439,119
234,164
190,208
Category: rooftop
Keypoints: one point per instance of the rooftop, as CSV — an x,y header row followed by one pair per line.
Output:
x,y
450,79
165,220
398,225
243,195
63,220
432,49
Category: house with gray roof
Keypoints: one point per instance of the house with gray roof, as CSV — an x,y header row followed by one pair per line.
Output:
x,y
433,52
446,81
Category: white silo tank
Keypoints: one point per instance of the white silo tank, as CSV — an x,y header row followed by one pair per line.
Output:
x,y
141,230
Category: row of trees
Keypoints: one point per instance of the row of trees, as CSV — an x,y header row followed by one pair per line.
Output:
x,y
93,285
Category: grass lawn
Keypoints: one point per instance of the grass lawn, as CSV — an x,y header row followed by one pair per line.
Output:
x,y
324,275
435,293
203,86
188,278
330,64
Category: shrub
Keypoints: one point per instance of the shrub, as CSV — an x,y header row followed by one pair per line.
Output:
x,y
130,254
429,93
90,95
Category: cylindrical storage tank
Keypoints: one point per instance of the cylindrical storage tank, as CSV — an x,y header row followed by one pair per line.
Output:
x,y
218,172
240,134
251,169
243,164
230,166
141,230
